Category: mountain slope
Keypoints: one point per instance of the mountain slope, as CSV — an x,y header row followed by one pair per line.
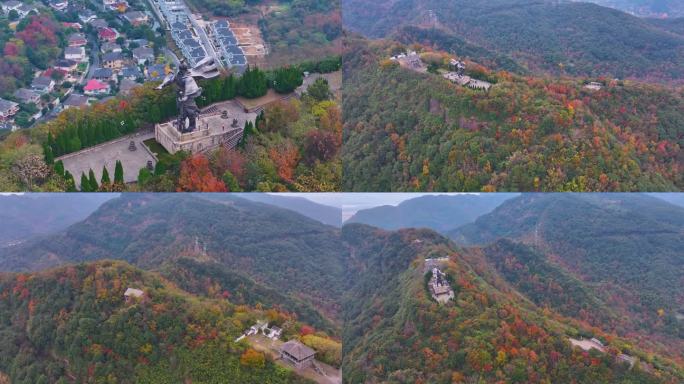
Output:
x,y
319,212
24,216
396,334
410,131
546,36
626,247
441,213
72,324
276,248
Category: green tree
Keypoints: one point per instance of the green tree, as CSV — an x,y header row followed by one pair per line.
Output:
x,y
319,89
85,184
231,182
69,181
105,181
59,168
93,181
118,173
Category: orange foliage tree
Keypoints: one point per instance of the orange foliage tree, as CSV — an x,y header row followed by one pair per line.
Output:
x,y
195,175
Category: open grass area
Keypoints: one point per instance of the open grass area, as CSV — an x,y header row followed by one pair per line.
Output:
x,y
157,149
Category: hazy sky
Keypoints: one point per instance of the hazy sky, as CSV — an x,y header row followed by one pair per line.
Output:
x,y
352,202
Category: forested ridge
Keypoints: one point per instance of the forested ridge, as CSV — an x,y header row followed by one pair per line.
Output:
x,y
406,131
72,324
558,37
621,250
490,332
285,253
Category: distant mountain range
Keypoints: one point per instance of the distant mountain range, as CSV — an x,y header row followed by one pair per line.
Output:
x,y
543,36
26,215
645,8
323,213
438,212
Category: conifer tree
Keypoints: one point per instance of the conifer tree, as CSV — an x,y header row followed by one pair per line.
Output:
x,y
104,181
69,181
118,173
59,168
85,184
93,181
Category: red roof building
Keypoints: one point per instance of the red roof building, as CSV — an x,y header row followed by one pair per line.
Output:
x,y
95,87
107,34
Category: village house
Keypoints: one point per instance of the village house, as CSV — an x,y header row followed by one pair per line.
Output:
x,y
132,294
103,74
11,5
96,87
260,326
26,96
126,86
136,43
8,109
75,53
66,65
143,55
136,18
25,9
59,5
42,84
107,34
274,333
22,9
77,40
76,26
86,16
113,60
131,73
297,353
110,47
99,23
594,86
75,101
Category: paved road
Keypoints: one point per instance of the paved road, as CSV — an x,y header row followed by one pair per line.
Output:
x,y
94,60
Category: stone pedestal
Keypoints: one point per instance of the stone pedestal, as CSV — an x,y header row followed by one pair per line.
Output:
x,y
216,126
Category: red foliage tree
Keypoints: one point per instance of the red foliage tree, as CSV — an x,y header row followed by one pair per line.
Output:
x,y
196,176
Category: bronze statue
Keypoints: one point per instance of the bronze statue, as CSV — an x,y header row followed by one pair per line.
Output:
x,y
187,90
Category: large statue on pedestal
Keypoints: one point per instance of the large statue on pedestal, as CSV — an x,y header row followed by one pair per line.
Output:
x,y
187,90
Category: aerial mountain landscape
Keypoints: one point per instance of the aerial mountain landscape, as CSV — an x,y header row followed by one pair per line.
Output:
x,y
551,96
493,329
525,288
205,280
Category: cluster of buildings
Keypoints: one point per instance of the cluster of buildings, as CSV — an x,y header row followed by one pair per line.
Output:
x,y
227,44
456,74
261,327
439,286
293,351
178,19
121,65
22,9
